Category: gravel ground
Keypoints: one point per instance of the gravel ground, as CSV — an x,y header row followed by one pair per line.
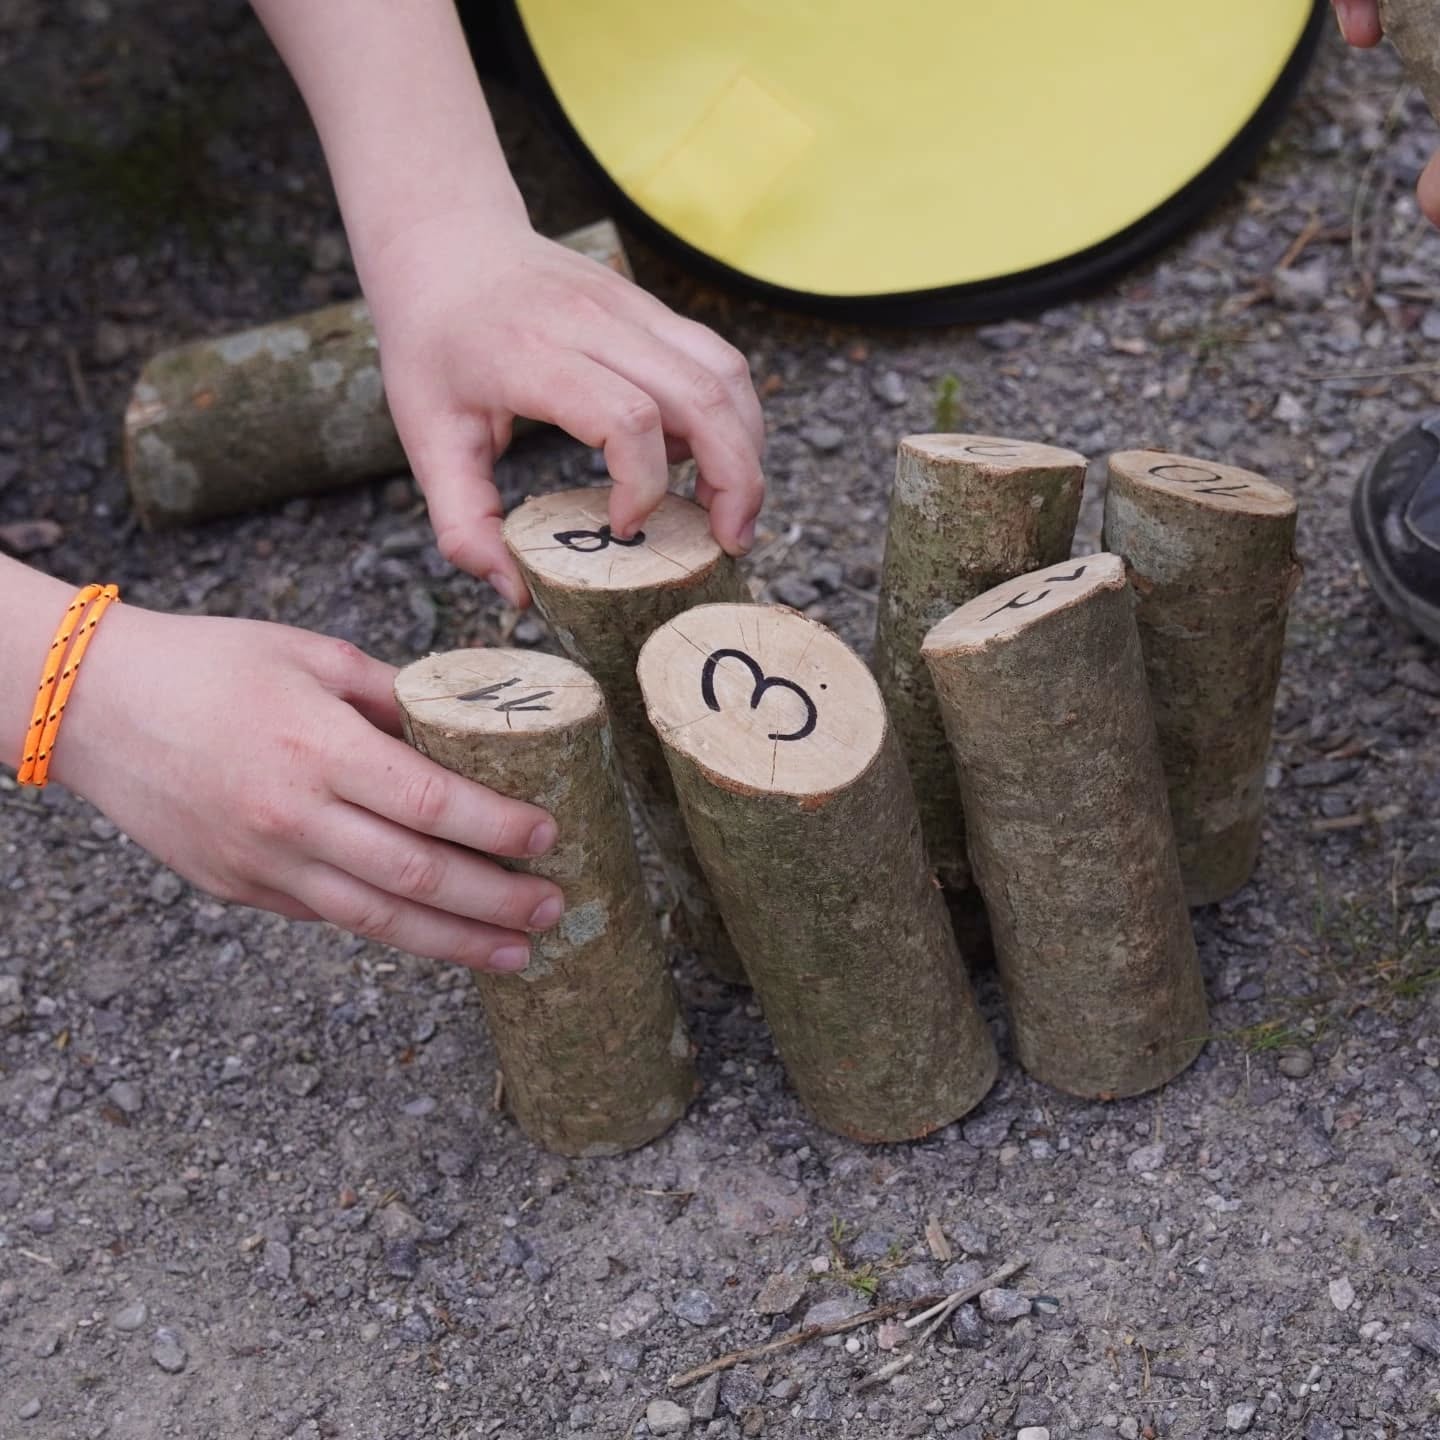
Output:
x,y
250,1180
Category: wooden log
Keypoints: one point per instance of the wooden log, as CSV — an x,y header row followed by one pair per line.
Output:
x,y
1413,27
1042,685
591,1043
802,814
604,598
966,512
1211,553
286,409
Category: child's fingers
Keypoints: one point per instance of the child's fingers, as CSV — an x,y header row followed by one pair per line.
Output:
x,y
1428,190
603,409
696,405
365,910
1359,21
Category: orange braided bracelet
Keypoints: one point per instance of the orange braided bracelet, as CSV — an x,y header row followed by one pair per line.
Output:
x,y
58,679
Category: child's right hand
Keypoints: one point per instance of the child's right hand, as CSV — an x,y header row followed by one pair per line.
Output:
x,y
264,764
1360,25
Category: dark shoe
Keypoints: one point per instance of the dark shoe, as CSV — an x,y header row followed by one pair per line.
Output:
x,y
1396,515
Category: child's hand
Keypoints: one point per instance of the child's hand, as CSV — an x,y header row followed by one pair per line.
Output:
x,y
480,320
262,763
1360,25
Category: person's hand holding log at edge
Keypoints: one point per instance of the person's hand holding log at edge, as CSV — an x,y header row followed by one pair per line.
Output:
x,y
263,763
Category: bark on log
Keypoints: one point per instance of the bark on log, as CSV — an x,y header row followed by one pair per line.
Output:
x,y
290,408
1211,553
604,598
966,512
800,807
1042,684
594,1053
1413,27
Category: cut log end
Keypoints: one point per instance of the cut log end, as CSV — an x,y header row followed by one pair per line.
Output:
x,y
1205,484
991,454
763,699
565,540
490,692
1009,609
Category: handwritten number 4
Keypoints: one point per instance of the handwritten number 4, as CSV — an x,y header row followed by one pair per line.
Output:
x,y
515,703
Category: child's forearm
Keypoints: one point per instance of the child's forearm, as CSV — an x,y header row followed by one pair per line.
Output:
x,y
401,116
32,605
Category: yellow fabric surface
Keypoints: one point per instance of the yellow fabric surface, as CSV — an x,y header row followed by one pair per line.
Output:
x,y
858,147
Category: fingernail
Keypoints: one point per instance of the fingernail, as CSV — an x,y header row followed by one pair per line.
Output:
x,y
542,837
747,535
511,958
547,912
506,587
1344,9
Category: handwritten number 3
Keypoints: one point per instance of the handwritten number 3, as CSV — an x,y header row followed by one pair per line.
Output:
x,y
763,682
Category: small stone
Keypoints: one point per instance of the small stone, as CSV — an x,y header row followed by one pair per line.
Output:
x,y
695,1307
1320,1428
513,1252
634,1314
1033,1432
130,1317
1002,1305
1289,410
785,1390
818,1405
791,590
112,343
299,1080
839,1307
167,1351
169,1196
779,1294
535,1270
706,1398
41,1222
822,437
125,1097
165,887
967,1328
1342,1293
420,1107
397,495
276,1259
1129,1428
232,1070
1297,1064
1418,676
889,388
47,1345
369,1331
665,1417
987,1131
970,1238
1147,1159
739,1390
1239,1417
1009,335
1300,287
1324,772
528,631
1425,1336
329,252
402,1259
30,1409
415,1329
828,576
10,993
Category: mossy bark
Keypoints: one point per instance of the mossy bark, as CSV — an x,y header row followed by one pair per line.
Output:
x,y
590,1039
958,526
845,937
290,408
1214,587
604,630
1070,839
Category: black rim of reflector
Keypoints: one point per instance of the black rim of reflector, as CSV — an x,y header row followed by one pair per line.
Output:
x,y
976,301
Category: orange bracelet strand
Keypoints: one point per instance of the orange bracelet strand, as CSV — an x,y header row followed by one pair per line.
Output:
x,y
57,680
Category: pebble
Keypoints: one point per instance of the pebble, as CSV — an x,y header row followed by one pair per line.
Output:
x,y
890,389
1324,772
739,1390
1001,1304
41,1222
329,252
112,343
1425,1336
513,1252
838,1307
9,990
1320,1428
636,1313
1301,287
1009,335
277,1259
402,1259
793,591
1240,1417
1130,1428
130,1317
818,1405
125,1097
1342,1293
165,887
822,437
528,631
420,1107
706,1398
167,1351
1297,1064
1418,676
695,1306
1033,1432
987,1131
780,1293
665,1417
232,1070
967,1328
30,1409
299,1080
1146,1159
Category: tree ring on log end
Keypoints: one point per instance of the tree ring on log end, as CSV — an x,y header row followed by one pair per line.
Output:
x,y
992,454
565,538
763,699
1017,604
491,692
